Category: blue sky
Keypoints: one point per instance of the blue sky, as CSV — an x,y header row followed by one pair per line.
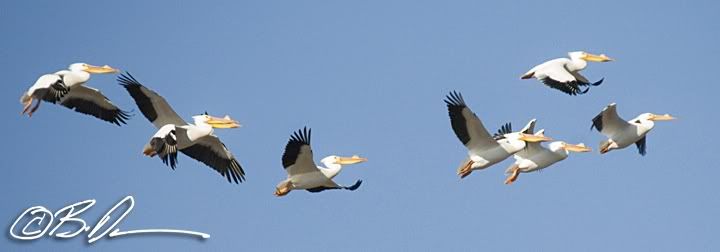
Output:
x,y
369,78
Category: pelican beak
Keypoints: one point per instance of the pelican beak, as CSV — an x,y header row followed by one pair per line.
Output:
x,y
534,138
577,148
350,160
100,69
222,123
596,58
665,117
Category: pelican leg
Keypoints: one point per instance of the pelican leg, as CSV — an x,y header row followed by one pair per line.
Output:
x,y
35,108
514,175
149,151
26,106
282,190
465,170
605,147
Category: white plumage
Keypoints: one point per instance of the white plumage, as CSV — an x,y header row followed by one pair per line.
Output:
x,y
174,134
67,88
535,157
564,74
302,172
484,150
621,133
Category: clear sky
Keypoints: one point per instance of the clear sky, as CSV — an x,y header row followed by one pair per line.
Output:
x,y
369,78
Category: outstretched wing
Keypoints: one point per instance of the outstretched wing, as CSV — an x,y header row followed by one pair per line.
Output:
x,y
466,125
153,106
213,153
298,156
336,186
90,101
555,74
608,121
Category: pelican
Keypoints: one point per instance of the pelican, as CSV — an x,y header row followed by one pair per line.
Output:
x,y
66,87
535,157
302,171
194,140
484,150
623,133
564,74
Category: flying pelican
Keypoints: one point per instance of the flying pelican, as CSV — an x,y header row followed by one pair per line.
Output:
x,y
484,150
535,157
620,133
66,87
564,74
302,171
194,140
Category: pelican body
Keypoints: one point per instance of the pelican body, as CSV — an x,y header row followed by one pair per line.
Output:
x,y
302,172
564,73
484,150
535,157
174,134
621,133
67,87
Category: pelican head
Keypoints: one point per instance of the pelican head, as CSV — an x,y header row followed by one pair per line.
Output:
x,y
92,69
338,160
589,56
216,122
648,119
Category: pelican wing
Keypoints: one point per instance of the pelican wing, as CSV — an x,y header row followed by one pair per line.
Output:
x,y
504,129
466,125
555,74
164,143
608,121
298,156
213,153
641,146
49,88
579,77
90,101
153,106
335,186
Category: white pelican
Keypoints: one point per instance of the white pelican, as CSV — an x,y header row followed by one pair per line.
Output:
x,y
535,157
302,171
194,140
623,133
564,74
484,150
66,87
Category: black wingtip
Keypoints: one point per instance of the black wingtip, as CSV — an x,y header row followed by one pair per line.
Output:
x,y
504,129
302,135
354,186
455,99
598,82
126,79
